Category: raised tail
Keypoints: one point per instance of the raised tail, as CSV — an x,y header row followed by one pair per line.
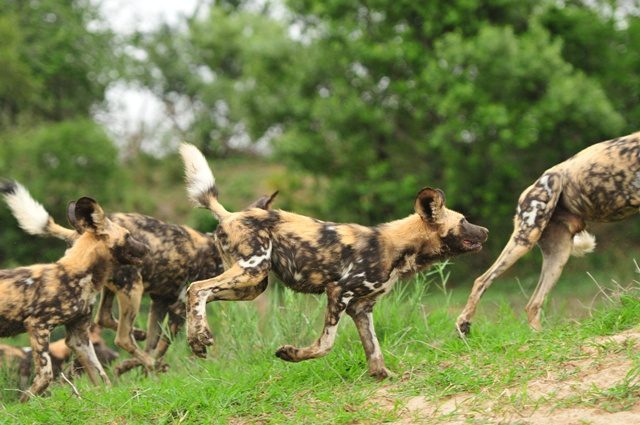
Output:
x,y
31,215
201,185
583,243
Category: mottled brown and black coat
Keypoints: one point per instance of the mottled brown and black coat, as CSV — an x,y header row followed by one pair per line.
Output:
x,y
37,298
354,265
600,184
177,256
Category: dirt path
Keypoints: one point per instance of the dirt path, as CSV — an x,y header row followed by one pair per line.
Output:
x,y
571,396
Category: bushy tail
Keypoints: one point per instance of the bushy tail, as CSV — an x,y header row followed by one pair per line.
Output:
x,y
31,215
583,243
201,185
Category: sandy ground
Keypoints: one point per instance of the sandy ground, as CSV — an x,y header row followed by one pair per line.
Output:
x,y
565,398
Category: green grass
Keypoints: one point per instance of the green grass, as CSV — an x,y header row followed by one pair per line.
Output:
x,y
243,382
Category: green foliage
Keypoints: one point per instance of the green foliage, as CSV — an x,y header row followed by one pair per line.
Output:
x,y
243,382
58,163
376,100
59,53
56,60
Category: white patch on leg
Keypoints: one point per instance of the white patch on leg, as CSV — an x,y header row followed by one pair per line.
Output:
x,y
377,353
529,217
545,183
328,338
201,305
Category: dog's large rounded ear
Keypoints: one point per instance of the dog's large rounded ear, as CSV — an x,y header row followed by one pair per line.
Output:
x,y
429,204
87,215
71,216
264,201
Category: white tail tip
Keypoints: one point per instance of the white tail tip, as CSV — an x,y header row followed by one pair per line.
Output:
x,y
198,175
31,215
583,243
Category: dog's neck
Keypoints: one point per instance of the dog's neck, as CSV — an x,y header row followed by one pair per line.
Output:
x,y
408,231
88,256
412,233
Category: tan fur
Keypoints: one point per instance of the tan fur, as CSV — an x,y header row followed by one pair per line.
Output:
x,y
40,297
353,264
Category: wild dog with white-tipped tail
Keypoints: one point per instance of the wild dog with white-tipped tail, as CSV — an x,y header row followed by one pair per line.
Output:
x,y
600,184
38,298
354,265
177,255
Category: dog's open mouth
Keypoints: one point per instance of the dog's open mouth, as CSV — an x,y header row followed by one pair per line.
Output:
x,y
471,245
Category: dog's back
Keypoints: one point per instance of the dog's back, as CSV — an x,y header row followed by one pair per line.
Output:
x,y
602,182
177,254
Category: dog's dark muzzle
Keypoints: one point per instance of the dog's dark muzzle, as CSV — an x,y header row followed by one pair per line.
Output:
x,y
132,252
474,236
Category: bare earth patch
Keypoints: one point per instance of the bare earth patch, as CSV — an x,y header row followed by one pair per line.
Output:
x,y
574,393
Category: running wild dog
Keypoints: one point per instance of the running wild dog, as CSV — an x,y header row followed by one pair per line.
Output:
x,y
178,255
354,265
37,298
601,183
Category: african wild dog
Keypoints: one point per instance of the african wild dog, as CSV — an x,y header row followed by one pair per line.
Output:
x,y
178,255
601,183
37,298
354,265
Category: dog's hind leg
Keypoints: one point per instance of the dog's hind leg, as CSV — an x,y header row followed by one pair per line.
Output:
x,y
535,208
176,321
157,312
129,299
105,308
336,304
39,339
79,341
361,311
236,284
556,244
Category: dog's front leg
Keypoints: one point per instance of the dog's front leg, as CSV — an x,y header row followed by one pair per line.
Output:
x,y
235,284
39,340
361,311
535,209
336,304
80,343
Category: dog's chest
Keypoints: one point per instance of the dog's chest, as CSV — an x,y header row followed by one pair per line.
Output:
x,y
73,300
362,279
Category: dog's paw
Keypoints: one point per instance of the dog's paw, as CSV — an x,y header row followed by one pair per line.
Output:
x,y
382,373
162,367
198,349
200,341
463,328
139,334
287,353
126,366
